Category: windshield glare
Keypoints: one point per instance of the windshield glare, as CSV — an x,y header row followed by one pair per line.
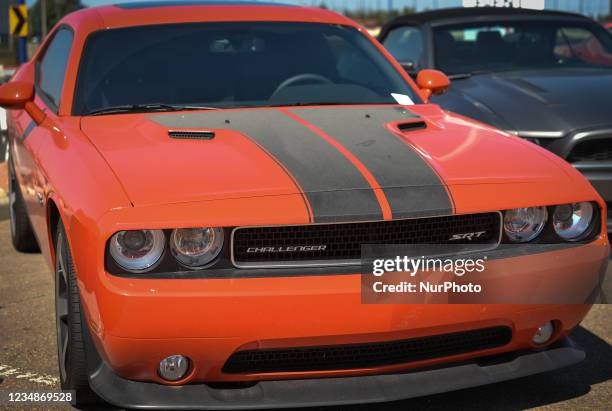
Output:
x,y
468,48
227,65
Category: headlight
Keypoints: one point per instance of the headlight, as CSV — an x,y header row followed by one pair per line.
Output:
x,y
196,247
137,250
524,224
571,221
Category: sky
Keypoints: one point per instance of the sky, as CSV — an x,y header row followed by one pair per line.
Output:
x,y
592,8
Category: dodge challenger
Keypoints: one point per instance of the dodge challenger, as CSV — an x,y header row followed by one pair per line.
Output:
x,y
201,178
545,76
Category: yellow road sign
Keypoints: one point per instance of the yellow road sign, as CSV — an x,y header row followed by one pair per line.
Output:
x,y
18,20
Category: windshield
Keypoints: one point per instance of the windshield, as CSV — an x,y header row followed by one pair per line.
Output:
x,y
228,65
519,45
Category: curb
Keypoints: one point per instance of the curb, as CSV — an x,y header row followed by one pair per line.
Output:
x,y
3,198
3,205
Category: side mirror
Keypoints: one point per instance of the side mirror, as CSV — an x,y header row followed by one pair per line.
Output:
x,y
20,95
432,82
15,94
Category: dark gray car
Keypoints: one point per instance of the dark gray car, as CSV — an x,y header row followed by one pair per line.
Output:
x,y
545,76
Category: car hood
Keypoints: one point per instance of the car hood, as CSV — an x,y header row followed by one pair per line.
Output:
x,y
348,162
550,101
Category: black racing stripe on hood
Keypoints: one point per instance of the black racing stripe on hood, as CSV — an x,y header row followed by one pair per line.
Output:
x,y
411,185
335,190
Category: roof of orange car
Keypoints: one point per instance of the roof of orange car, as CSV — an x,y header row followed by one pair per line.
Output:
x,y
166,12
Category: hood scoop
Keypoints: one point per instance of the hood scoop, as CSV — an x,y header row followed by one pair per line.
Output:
x,y
192,134
411,126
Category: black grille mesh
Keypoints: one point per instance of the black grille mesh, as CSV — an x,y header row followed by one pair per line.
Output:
x,y
339,357
593,150
343,241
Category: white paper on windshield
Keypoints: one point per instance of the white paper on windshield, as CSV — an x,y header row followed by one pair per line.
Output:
x,y
402,99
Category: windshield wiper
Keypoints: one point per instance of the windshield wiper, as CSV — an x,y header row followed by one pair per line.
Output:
x,y
460,76
143,108
322,103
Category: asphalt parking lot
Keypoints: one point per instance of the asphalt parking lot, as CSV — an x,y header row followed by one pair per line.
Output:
x,y
28,356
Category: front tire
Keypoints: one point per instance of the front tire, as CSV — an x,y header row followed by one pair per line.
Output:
x,y
71,344
22,236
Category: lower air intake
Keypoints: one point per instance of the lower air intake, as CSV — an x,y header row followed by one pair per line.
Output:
x,y
353,356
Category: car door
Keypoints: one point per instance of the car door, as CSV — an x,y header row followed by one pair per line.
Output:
x,y
28,137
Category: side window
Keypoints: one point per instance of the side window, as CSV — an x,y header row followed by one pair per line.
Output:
x,y
580,45
52,66
405,44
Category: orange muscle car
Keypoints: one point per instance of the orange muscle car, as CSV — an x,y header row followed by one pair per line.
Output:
x,y
201,177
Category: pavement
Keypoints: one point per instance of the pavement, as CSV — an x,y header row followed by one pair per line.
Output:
x,y
28,360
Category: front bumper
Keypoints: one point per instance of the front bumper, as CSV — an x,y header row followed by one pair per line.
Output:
x,y
332,391
137,322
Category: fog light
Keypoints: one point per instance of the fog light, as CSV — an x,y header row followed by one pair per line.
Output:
x,y
544,332
173,368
